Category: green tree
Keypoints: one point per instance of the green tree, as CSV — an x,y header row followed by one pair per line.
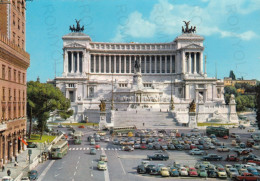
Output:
x,y
45,98
232,75
66,114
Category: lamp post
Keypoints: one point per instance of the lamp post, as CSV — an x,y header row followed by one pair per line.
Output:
x,y
29,153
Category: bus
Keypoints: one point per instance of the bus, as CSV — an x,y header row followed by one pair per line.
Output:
x,y
122,130
59,149
218,131
77,137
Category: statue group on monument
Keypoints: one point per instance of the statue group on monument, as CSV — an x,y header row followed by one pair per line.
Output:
x,y
192,107
78,28
187,29
102,106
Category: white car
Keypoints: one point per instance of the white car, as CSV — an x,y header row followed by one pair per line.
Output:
x,y
106,139
257,147
196,151
183,171
25,179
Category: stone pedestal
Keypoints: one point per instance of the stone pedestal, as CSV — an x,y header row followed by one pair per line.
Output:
x,y
102,120
192,120
137,81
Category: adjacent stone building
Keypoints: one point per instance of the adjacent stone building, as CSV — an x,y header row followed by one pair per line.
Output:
x,y
14,61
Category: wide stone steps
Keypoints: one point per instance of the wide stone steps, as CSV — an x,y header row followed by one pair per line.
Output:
x,y
151,119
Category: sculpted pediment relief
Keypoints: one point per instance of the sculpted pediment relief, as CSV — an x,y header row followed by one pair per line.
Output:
x,y
193,46
75,45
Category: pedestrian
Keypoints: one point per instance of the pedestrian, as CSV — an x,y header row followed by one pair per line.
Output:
x,y
3,168
143,124
15,158
8,172
15,164
136,111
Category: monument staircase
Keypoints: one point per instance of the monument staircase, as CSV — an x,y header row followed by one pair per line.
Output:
x,y
151,119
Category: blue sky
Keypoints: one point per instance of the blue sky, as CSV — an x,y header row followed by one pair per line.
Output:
x,y
231,29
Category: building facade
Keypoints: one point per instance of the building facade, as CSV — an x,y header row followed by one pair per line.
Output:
x,y
229,82
171,73
14,61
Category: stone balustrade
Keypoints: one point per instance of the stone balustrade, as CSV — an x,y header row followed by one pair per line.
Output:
x,y
3,127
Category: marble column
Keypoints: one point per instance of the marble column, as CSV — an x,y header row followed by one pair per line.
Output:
x,y
72,63
155,64
77,62
94,63
99,63
150,59
145,64
183,59
66,62
171,71
190,63
195,62
130,60
105,63
166,63
119,59
114,63
160,63
124,63
109,63
201,62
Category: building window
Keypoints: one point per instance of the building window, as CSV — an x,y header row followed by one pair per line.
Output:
x,y
23,78
123,85
18,40
19,77
13,18
3,71
23,96
3,94
14,94
9,95
14,75
71,96
13,37
18,23
23,44
9,73
19,95
23,28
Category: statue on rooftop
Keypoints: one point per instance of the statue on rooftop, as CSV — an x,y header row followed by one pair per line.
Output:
x,y
78,27
192,29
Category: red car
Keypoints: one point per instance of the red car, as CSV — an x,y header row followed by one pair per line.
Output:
x,y
81,126
193,172
97,146
256,161
247,176
232,158
225,137
143,146
193,146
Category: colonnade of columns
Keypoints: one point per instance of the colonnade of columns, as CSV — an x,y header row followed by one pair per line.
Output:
x,y
125,63
192,62
73,61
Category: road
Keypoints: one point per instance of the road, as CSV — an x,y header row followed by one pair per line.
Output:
x,y
79,165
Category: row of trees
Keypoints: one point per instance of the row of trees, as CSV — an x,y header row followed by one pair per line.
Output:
x,y
244,101
42,99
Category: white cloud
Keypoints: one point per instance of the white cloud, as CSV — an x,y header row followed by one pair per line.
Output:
x,y
166,18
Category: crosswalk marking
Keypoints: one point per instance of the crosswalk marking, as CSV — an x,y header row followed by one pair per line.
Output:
x,y
88,148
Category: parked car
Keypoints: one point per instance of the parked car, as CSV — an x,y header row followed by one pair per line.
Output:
x,y
33,175
81,126
174,172
141,169
202,172
149,168
165,172
196,152
232,158
195,130
31,145
212,173
249,157
157,157
212,157
247,177
223,149
221,173
193,172
253,171
183,171
232,172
